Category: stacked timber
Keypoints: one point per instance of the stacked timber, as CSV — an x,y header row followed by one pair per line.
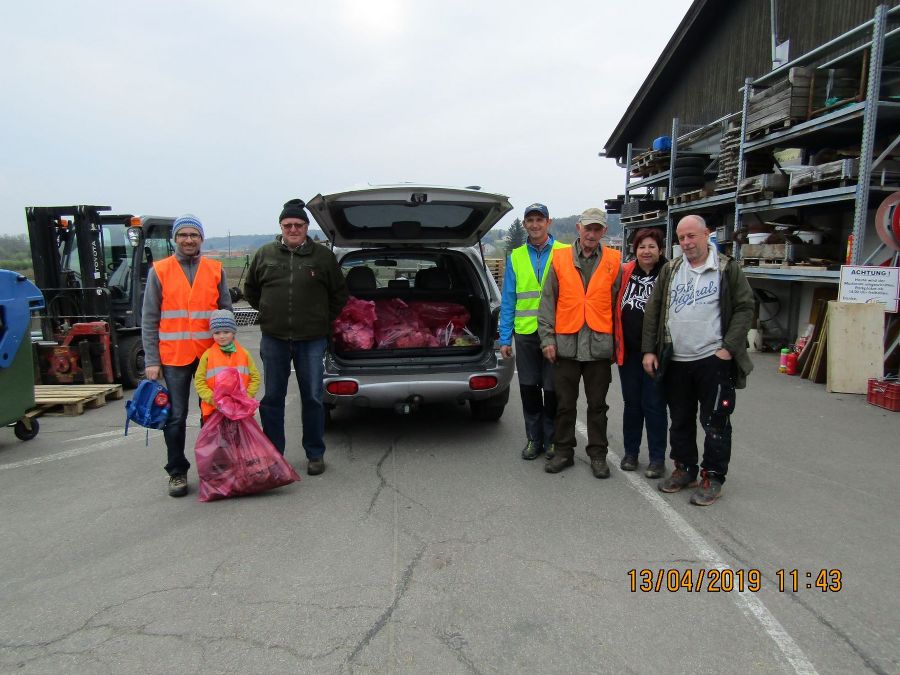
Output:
x,y
795,98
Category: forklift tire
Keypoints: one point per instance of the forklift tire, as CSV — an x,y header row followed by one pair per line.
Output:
x,y
23,433
131,361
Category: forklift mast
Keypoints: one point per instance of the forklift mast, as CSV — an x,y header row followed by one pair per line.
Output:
x,y
92,268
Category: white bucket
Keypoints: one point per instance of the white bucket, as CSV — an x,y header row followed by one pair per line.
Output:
x,y
809,236
754,340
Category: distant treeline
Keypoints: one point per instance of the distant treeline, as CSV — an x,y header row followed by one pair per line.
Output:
x,y
15,253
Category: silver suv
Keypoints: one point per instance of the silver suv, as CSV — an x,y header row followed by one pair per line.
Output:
x,y
413,251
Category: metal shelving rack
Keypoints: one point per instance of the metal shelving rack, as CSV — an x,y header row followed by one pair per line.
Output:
x,y
843,125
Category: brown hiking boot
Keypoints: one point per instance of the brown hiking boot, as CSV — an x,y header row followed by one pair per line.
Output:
x,y
679,479
558,463
600,468
709,490
178,486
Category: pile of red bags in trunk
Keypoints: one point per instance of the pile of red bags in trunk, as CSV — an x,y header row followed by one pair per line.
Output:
x,y
391,323
354,327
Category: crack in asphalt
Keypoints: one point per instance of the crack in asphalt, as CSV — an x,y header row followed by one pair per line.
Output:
x,y
866,658
456,643
385,617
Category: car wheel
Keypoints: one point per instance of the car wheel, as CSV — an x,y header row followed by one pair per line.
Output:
x,y
329,412
23,433
131,361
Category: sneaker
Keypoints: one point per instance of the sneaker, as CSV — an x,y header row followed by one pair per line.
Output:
x,y
629,463
709,490
178,486
599,468
531,450
315,467
558,463
680,478
655,470
550,452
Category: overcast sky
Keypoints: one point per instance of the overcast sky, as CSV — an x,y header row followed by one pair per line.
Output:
x,y
227,109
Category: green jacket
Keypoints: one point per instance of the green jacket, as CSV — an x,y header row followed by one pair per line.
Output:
x,y
298,293
736,306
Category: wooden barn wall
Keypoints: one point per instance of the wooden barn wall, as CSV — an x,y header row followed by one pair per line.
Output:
x,y
702,84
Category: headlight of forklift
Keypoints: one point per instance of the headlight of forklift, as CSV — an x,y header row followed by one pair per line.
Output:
x,y
134,236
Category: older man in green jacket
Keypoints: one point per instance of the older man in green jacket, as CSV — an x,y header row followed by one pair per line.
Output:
x,y
695,340
297,286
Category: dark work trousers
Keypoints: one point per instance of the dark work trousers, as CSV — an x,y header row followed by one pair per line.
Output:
x,y
537,389
597,376
686,384
178,382
644,403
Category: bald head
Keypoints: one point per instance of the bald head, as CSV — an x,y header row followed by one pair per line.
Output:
x,y
693,238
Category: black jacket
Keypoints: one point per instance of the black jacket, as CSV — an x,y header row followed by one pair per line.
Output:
x,y
298,292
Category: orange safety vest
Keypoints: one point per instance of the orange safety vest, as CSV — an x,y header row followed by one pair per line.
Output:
x,y
184,317
216,362
575,306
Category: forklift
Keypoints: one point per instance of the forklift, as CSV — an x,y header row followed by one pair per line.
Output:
x,y
91,267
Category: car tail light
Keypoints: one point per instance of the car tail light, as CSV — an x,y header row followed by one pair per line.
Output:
x,y
342,387
479,382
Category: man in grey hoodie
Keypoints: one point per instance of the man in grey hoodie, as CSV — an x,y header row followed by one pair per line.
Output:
x,y
695,340
182,292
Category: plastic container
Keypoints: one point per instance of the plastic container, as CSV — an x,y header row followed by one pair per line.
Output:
x,y
783,361
884,394
792,363
18,298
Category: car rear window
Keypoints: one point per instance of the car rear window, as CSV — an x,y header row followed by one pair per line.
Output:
x,y
403,220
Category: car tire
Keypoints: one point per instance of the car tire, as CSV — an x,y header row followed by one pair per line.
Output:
x,y
698,163
131,361
329,412
688,182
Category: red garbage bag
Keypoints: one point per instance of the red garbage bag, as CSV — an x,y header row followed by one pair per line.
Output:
x,y
353,329
398,327
436,315
234,458
231,399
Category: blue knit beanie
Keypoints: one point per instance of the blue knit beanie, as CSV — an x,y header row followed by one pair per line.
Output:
x,y
187,220
222,319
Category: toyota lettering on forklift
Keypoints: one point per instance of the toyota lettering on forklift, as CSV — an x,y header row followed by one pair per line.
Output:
x,y
91,267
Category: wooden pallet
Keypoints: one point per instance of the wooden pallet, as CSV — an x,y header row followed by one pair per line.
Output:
x,y
72,399
496,266
640,217
773,127
692,196
756,196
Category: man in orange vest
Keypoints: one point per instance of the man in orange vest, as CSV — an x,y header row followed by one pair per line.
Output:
x,y
182,292
576,324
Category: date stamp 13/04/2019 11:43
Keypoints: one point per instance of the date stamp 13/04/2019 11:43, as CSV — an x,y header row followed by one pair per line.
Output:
x,y
726,580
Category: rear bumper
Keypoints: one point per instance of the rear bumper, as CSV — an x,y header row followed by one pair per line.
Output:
x,y
386,390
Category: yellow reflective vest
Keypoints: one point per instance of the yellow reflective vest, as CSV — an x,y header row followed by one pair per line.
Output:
x,y
528,287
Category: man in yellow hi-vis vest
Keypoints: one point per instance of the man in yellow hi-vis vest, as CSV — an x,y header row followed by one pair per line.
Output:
x,y
526,269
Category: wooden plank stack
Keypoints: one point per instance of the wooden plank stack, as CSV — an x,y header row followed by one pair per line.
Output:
x,y
650,163
794,98
756,162
496,266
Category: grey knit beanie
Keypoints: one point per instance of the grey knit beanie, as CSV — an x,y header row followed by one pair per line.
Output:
x,y
222,319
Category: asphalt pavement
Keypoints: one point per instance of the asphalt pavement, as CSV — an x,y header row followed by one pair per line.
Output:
x,y
428,545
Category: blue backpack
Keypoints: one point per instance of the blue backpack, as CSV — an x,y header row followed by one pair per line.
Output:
x,y
149,407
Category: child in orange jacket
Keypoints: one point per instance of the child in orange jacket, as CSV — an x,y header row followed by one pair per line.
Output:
x,y
224,353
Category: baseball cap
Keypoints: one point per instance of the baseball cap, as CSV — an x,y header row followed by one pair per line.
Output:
x,y
540,208
593,215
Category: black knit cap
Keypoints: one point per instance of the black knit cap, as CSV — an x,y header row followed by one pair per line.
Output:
x,y
293,208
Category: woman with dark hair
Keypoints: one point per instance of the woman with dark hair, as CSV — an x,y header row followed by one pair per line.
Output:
x,y
644,402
